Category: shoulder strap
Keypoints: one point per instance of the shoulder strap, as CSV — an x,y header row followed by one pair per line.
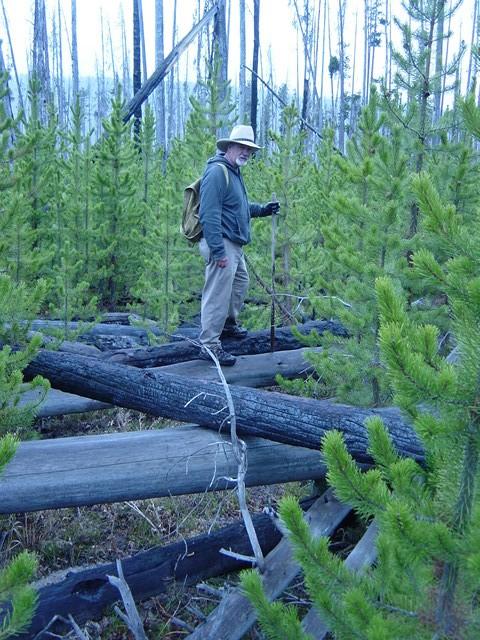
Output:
x,y
225,171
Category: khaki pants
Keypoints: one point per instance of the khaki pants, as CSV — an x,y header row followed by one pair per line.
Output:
x,y
224,291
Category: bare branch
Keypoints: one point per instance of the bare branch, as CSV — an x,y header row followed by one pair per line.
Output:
x,y
131,618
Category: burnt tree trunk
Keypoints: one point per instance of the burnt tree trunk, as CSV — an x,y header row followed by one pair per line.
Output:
x,y
85,594
271,415
255,342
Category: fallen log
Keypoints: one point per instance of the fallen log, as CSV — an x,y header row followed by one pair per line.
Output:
x,y
234,616
59,403
85,593
250,371
276,416
255,342
253,371
85,470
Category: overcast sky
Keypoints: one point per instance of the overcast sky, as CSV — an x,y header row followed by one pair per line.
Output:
x,y
279,38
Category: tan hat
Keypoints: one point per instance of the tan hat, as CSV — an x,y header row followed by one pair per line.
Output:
x,y
241,134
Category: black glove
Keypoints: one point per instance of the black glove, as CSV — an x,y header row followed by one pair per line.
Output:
x,y
271,208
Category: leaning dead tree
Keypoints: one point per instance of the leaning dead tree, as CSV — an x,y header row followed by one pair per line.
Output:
x,y
154,80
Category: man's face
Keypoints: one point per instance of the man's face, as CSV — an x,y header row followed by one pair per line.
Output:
x,y
238,154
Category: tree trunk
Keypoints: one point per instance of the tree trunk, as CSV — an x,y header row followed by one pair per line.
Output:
x,y
41,67
137,69
235,614
354,66
75,72
6,99
243,61
160,92
256,48
472,66
181,348
220,48
125,59
422,127
322,73
276,416
366,54
171,82
58,48
342,109
439,63
142,38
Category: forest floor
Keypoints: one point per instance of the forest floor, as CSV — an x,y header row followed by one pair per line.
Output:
x,y
79,537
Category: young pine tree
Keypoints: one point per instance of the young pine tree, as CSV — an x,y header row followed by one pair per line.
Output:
x,y
34,212
117,219
17,305
288,173
425,582
362,223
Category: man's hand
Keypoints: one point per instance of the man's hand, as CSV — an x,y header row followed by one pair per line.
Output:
x,y
222,263
271,208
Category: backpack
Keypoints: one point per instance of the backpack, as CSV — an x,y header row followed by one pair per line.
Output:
x,y
191,227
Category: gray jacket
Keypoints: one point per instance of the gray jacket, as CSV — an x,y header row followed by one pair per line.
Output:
x,y
224,210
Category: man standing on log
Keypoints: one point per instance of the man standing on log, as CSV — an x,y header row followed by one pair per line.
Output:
x,y
225,218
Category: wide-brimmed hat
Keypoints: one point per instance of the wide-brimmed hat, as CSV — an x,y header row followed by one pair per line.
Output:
x,y
240,134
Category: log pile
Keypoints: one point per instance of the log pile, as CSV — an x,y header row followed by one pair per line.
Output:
x,y
283,435
85,593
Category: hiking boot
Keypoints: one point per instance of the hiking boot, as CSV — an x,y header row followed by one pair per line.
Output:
x,y
224,358
234,331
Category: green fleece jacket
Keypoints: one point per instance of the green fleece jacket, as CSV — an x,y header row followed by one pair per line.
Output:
x,y
224,209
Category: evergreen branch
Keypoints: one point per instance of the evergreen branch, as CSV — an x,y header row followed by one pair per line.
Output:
x,y
404,124
352,485
276,619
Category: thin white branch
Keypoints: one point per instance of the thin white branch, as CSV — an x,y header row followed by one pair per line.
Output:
x,y
240,453
238,556
131,618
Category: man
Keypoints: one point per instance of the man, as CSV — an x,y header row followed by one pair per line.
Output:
x,y
225,218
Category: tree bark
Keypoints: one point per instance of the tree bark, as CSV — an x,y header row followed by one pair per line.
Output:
x,y
255,371
342,108
171,82
41,66
276,416
235,614
439,63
